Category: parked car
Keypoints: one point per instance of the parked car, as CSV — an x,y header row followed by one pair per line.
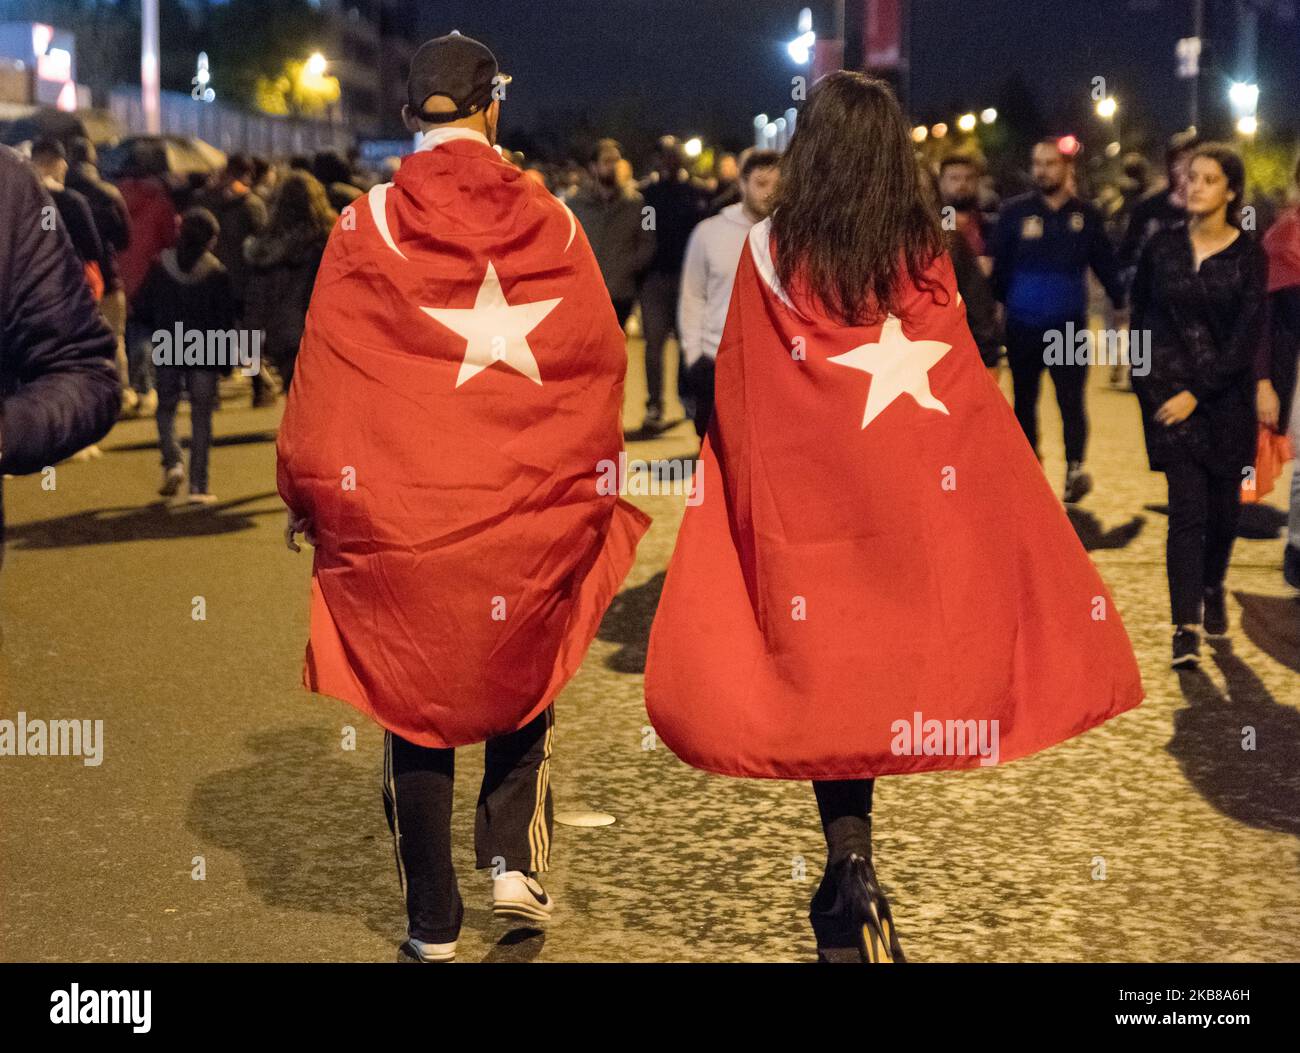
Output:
x,y
165,155
24,124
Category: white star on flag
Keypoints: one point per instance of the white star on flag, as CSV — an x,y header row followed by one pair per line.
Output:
x,y
496,331
898,366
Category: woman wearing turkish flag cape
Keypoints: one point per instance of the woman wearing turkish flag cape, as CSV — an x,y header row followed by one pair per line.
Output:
x,y
878,579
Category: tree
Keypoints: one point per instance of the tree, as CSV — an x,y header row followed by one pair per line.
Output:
x,y
251,64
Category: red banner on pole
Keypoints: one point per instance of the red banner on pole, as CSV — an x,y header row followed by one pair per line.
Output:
x,y
828,56
883,34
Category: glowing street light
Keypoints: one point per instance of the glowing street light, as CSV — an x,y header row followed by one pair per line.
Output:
x,y
150,83
1107,107
800,48
1247,125
693,146
939,130
316,65
989,116
966,122
1244,97
920,133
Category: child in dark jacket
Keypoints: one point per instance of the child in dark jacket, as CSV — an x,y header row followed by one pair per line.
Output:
x,y
187,291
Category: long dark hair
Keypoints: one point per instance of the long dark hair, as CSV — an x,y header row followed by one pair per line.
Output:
x,y
850,218
301,209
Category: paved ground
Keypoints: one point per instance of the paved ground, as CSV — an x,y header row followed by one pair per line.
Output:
x,y
1155,837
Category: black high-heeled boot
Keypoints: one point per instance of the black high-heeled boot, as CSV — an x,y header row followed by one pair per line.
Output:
x,y
850,916
873,921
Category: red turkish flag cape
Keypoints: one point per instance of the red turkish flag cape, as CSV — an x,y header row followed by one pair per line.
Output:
x,y
459,380
875,560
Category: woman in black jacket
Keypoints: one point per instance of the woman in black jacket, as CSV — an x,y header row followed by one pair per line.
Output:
x,y
1199,293
282,264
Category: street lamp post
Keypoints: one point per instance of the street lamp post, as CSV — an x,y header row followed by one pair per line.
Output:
x,y
150,93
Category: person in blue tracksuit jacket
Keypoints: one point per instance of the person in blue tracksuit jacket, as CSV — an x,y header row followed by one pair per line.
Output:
x,y
1043,246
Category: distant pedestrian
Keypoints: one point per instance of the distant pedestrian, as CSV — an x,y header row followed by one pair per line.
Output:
x,y
51,163
1276,362
726,175
265,178
611,215
188,288
1159,209
1200,291
283,260
959,190
708,273
113,222
240,214
154,222
336,177
1043,246
676,206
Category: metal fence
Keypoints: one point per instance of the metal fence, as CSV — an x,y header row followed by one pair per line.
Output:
x,y
228,128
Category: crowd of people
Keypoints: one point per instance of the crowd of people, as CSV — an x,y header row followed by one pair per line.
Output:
x,y
1213,299
844,229
241,252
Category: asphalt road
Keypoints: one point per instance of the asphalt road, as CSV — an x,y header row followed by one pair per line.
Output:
x,y
1154,838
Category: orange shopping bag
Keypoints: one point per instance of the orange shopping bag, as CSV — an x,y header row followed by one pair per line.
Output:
x,y
1271,454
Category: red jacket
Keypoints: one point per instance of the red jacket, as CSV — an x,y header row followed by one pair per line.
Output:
x,y
153,228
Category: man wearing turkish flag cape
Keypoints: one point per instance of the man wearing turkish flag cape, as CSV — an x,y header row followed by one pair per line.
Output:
x,y
878,579
459,380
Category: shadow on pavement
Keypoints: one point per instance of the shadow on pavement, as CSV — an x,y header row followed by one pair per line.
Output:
x,y
243,438
308,829
518,945
1258,522
1090,531
1260,786
627,622
1273,625
158,521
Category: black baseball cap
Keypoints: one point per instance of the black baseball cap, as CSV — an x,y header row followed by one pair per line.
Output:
x,y
457,67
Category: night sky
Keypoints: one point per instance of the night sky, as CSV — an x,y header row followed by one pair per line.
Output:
x,y
707,66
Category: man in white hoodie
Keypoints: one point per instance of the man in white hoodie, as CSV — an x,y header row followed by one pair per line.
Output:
x,y
712,255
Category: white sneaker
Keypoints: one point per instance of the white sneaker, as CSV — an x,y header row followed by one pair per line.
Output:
x,y
517,895
202,499
415,951
171,480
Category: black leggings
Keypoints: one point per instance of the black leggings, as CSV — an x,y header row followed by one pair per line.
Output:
x,y
1203,512
845,807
